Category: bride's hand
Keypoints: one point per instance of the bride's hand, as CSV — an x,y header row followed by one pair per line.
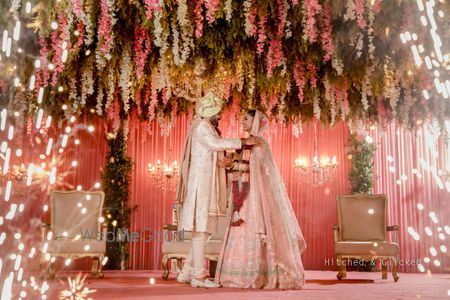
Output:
x,y
225,163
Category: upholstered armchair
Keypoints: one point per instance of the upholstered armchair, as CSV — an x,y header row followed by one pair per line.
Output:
x,y
75,230
178,245
362,233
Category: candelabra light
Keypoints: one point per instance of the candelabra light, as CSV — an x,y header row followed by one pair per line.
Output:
x,y
164,175
317,170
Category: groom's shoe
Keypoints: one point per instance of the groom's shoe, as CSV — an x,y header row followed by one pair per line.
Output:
x,y
206,284
184,278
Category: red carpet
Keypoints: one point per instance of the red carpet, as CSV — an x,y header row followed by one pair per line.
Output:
x,y
133,285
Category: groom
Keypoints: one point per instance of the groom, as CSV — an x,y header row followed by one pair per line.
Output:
x,y
202,188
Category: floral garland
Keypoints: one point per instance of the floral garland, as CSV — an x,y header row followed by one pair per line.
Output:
x,y
240,173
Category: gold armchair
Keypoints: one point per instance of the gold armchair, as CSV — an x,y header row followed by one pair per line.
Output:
x,y
362,233
75,230
179,245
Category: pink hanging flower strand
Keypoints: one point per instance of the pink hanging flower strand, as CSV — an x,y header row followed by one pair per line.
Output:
x,y
261,36
80,40
312,8
312,74
77,8
376,6
272,102
152,6
43,74
359,8
274,56
327,29
300,78
282,21
104,28
198,19
58,37
211,9
142,48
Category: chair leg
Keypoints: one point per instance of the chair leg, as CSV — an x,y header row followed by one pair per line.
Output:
x,y
47,269
95,267
394,269
180,264
51,271
341,267
100,267
383,269
212,268
42,267
165,266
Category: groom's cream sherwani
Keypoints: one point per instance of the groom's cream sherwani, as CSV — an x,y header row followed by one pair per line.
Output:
x,y
203,195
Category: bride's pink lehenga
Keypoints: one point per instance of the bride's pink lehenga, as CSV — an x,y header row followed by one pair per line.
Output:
x,y
264,251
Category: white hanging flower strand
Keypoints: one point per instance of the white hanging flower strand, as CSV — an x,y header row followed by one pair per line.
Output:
x,y
125,79
228,10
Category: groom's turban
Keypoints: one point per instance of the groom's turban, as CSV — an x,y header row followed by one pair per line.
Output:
x,y
209,105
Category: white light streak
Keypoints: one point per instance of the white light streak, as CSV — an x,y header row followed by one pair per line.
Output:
x,y
40,95
10,132
16,34
8,190
32,82
39,118
3,122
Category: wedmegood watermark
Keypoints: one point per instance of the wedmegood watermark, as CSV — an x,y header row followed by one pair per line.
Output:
x,y
145,235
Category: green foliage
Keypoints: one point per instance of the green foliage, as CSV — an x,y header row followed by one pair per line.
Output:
x,y
116,180
361,173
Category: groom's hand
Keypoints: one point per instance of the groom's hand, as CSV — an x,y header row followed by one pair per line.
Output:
x,y
254,140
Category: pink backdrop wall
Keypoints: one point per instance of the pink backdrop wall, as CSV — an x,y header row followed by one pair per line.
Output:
x,y
315,207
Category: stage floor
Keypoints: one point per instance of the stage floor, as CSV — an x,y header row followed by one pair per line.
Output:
x,y
319,285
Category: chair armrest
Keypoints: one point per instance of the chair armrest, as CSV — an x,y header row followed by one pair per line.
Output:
x,y
44,230
172,230
336,233
170,227
393,228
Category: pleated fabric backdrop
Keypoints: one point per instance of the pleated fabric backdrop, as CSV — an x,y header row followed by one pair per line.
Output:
x,y
408,164
399,152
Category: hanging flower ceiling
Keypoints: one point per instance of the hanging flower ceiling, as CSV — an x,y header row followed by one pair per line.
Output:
x,y
294,59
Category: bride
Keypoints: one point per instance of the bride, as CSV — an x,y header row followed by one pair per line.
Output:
x,y
263,242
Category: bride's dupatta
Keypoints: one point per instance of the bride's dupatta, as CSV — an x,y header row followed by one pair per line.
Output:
x,y
284,237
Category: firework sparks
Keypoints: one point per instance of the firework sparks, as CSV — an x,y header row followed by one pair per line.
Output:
x,y
76,289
